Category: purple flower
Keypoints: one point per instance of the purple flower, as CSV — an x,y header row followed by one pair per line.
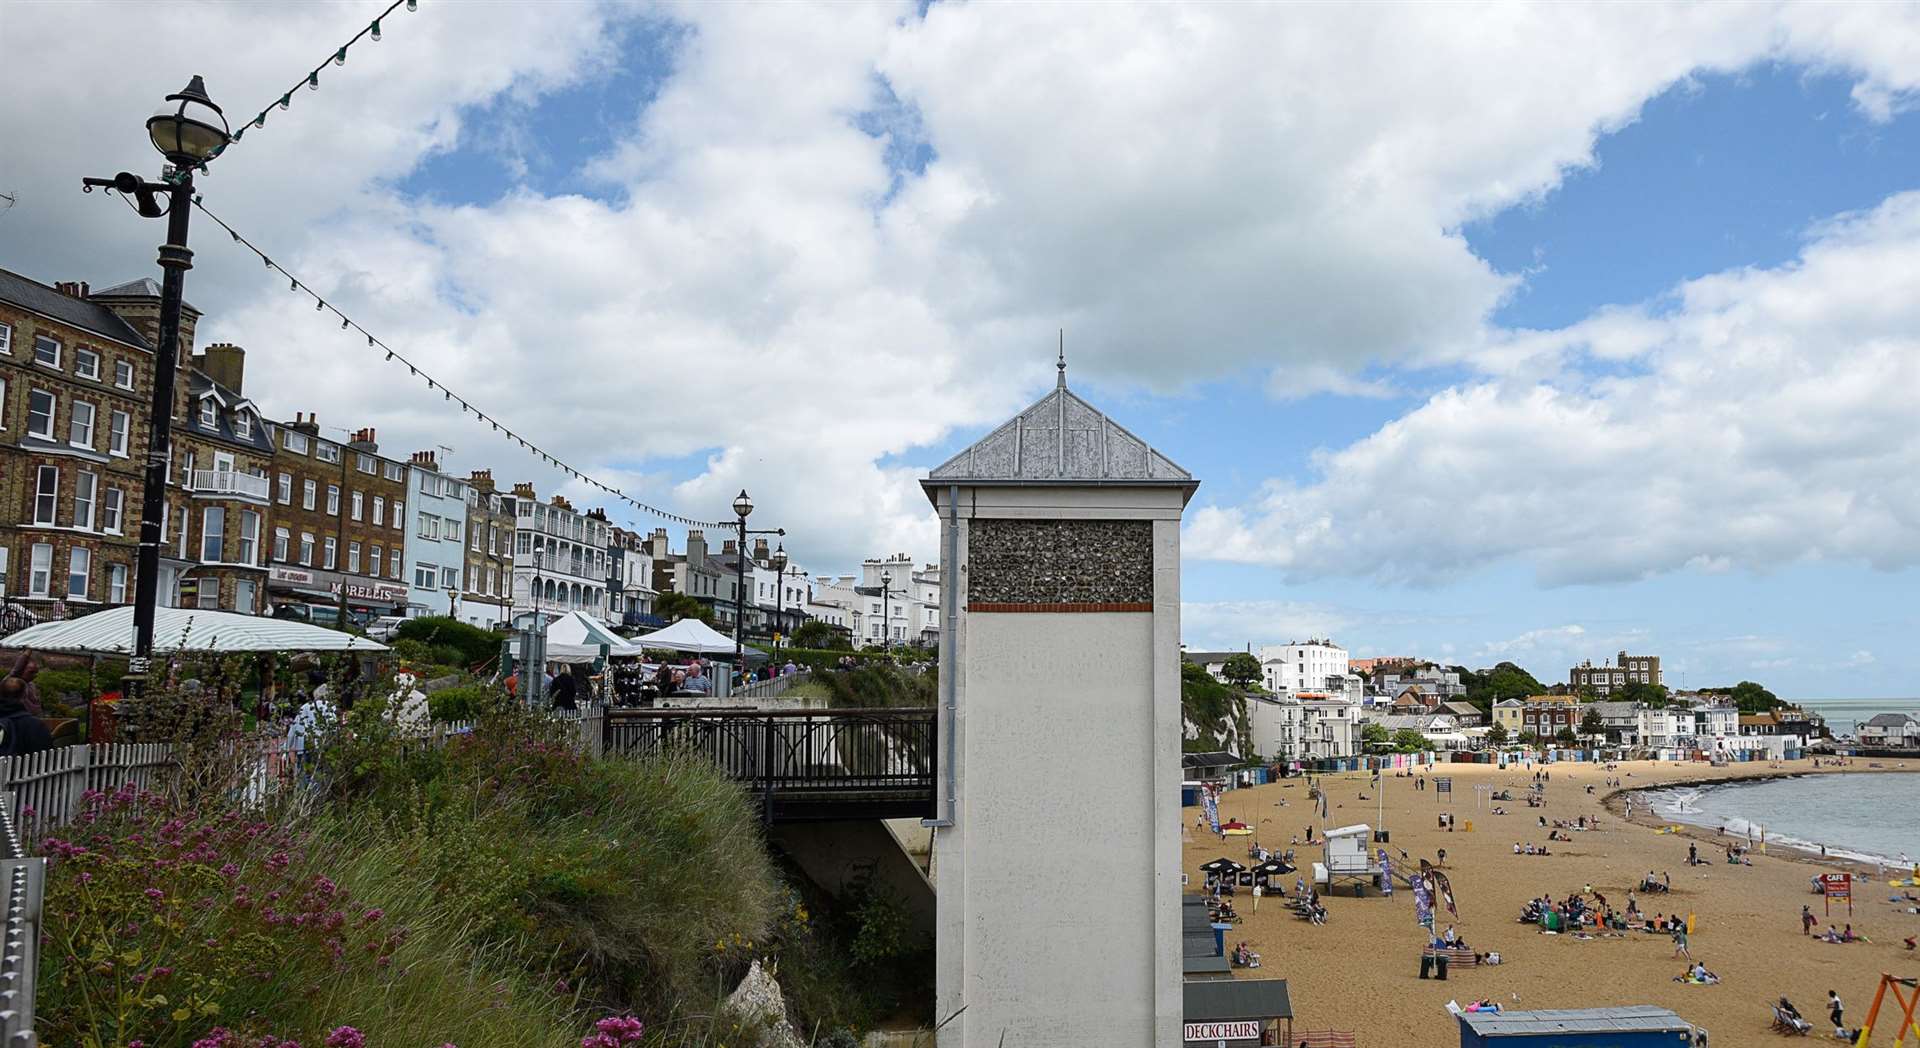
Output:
x,y
346,1037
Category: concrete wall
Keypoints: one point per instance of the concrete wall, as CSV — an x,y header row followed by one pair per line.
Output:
x,y
1058,883
836,854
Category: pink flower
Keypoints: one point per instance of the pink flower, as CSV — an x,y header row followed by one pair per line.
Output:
x,y
346,1037
218,1037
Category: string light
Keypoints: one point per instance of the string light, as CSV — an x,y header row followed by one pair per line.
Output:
x,y
466,408
312,79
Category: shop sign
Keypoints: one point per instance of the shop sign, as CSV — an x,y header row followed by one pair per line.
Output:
x,y
380,591
301,578
1228,1031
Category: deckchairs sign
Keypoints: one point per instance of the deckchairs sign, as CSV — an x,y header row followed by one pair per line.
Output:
x,y
1232,1031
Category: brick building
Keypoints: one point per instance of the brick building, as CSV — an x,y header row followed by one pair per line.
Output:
x,y
488,599
1604,679
338,523
217,489
74,378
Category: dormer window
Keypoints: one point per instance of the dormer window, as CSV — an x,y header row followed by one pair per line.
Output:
x,y
242,426
209,414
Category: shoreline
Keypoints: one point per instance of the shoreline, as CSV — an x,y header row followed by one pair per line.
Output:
x,y
1808,854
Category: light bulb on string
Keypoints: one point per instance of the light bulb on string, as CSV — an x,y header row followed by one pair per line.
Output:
x,y
261,120
343,323
319,304
340,57
294,284
286,101
413,5
376,30
389,352
313,80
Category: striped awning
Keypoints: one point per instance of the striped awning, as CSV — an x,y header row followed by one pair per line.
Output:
x,y
110,632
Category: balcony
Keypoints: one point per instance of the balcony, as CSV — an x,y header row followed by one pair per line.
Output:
x,y
227,482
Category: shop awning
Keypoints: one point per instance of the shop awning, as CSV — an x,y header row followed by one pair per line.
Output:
x,y
1227,1000
110,632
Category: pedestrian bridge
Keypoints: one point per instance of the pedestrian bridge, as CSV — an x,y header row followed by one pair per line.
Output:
x,y
802,765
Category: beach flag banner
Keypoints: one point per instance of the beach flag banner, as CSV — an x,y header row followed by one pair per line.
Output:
x,y
1422,901
1386,873
1837,886
1211,801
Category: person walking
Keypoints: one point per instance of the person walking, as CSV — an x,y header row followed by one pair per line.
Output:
x,y
563,691
1807,920
1836,1012
1680,939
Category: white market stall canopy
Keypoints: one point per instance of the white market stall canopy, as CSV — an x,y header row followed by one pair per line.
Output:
x,y
110,632
575,637
689,635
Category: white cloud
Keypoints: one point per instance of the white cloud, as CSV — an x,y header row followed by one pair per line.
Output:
x,y
1192,191
1554,638
1231,625
1759,427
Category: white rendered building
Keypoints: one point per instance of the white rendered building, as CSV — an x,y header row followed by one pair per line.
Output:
x,y
1314,666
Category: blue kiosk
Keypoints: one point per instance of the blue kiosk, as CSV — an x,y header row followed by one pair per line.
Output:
x,y
1631,1026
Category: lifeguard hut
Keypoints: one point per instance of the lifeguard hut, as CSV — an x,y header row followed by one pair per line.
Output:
x,y
1347,859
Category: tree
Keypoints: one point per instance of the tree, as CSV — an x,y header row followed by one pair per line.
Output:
x,y
676,606
816,634
1409,740
1652,696
1591,725
1504,681
1752,698
1497,735
1242,669
1373,735
1529,738
1566,737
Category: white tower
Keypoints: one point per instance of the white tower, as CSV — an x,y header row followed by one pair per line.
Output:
x,y
1057,842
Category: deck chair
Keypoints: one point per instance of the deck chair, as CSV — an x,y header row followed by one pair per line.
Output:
x,y
1788,1025
1324,1039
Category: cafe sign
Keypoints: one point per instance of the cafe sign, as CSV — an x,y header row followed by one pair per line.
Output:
x,y
1244,1030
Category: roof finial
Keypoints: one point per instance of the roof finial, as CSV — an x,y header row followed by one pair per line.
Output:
x,y
1062,365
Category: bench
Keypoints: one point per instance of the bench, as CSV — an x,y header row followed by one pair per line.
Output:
x,y
1455,958
1324,1039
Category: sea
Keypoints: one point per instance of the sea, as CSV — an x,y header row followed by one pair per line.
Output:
x,y
1843,714
1865,818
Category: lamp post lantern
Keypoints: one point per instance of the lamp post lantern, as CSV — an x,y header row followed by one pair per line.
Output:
x,y
742,507
779,564
188,130
886,611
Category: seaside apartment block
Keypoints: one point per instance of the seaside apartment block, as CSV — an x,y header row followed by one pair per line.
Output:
x,y
1604,680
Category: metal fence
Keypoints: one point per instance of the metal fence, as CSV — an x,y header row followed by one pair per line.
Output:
x,y
24,880
848,760
767,689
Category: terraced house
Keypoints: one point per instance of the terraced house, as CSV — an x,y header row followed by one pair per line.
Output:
x,y
74,376
488,600
339,525
213,557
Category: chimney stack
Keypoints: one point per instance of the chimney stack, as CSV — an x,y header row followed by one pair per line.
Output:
x,y
523,490
364,440
224,363
760,551
425,460
73,288
303,423
696,547
482,481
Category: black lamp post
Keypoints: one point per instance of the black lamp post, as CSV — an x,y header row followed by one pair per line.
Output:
x,y
188,130
742,506
779,564
886,610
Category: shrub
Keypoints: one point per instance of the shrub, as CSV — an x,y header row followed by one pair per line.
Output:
x,y
462,702
470,645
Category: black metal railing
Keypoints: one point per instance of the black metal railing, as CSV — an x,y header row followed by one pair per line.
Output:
x,y
816,761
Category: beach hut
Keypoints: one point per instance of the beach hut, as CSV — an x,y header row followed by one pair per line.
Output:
x,y
1631,1026
1236,1012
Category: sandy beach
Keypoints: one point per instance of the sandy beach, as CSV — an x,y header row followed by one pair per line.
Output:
x,y
1360,970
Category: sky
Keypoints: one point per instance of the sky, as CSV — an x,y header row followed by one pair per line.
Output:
x,y
1517,332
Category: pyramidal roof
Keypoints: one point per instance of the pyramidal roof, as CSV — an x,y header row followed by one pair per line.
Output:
x,y
1062,439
